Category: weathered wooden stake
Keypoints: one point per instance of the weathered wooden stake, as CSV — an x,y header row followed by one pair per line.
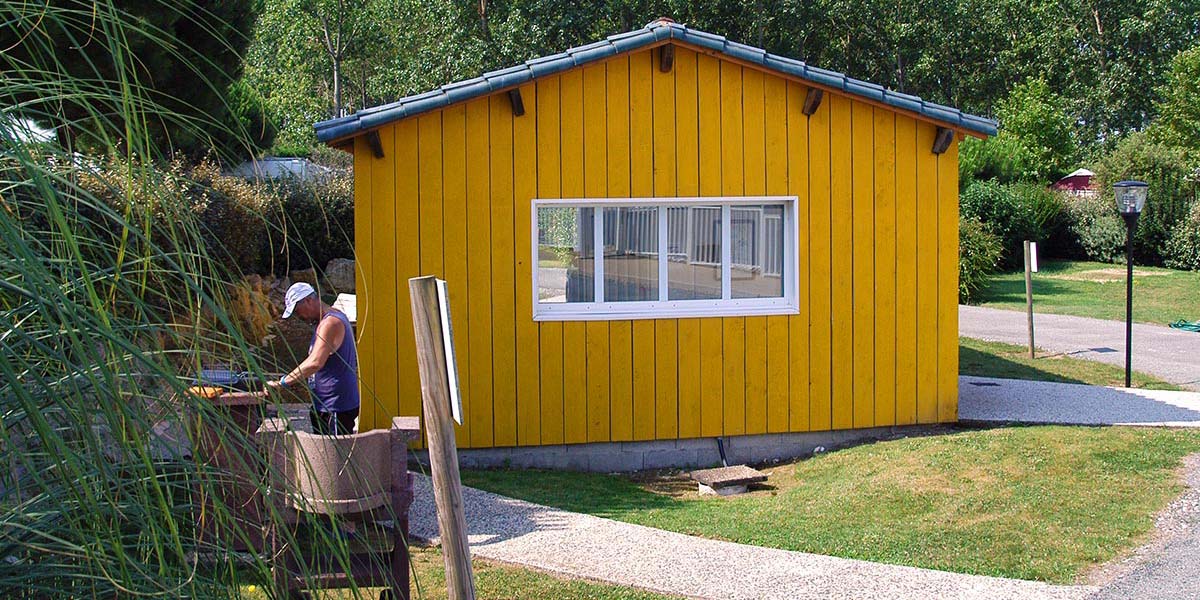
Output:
x,y
433,361
1029,294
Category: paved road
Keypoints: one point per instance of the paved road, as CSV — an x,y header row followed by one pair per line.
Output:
x,y
1166,353
584,546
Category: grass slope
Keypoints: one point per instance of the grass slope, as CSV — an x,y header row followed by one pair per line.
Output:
x,y
492,581
1039,503
996,359
1089,289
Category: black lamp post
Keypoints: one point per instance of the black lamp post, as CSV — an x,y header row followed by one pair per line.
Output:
x,y
1131,198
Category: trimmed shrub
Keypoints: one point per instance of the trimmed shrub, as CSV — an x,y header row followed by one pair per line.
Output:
x,y
1183,247
979,251
1091,229
1008,214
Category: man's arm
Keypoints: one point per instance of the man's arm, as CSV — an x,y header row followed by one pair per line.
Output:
x,y
330,334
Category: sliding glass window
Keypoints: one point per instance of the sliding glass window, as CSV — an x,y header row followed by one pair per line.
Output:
x,y
633,258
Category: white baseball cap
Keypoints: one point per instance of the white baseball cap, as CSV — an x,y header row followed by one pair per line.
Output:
x,y
295,294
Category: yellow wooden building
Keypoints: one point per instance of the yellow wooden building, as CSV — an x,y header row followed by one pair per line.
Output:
x,y
663,235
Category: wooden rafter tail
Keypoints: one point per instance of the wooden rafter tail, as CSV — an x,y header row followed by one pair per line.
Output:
x,y
375,144
518,105
812,101
666,58
941,143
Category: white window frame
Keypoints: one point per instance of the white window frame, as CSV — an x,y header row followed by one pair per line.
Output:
x,y
726,306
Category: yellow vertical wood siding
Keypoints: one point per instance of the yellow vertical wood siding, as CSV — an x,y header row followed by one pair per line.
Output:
x,y
875,340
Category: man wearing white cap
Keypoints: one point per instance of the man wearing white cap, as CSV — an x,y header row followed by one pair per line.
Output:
x,y
332,363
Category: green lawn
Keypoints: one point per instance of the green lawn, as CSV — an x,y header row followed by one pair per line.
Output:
x,y
995,359
1039,503
1089,289
492,581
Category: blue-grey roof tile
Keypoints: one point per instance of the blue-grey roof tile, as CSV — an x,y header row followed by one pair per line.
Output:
x,y
864,89
744,52
591,52
791,67
363,120
632,40
941,113
498,80
825,77
705,39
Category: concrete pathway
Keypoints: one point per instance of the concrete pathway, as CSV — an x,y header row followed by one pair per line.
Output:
x,y
988,400
584,546
1169,354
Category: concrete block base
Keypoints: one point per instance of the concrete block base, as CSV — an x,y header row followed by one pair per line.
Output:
x,y
729,490
616,457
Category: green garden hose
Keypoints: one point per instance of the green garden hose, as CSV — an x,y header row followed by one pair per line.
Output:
x,y
1184,325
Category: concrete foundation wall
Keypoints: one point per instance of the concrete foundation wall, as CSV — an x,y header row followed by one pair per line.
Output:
x,y
611,457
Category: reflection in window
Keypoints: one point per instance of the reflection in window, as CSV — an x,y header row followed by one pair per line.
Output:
x,y
757,243
694,259
631,254
565,254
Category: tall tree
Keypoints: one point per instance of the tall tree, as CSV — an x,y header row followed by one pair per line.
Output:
x,y
185,57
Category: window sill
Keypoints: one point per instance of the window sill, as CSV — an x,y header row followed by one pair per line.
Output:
x,y
604,313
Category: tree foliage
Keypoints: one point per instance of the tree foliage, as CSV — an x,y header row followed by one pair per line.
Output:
x,y
1178,121
182,56
1097,60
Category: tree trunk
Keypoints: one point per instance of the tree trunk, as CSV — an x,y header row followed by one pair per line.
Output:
x,y
337,88
483,19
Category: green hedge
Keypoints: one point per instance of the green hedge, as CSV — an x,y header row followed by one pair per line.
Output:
x,y
311,223
979,251
1010,212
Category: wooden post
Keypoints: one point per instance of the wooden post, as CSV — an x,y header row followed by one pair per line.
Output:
x,y
1029,294
439,428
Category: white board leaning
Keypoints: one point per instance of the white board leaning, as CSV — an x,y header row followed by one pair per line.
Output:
x,y
448,344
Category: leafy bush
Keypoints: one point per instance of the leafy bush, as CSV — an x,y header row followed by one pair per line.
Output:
x,y
979,251
229,210
1183,247
311,223
1092,230
1002,158
1012,217
1168,171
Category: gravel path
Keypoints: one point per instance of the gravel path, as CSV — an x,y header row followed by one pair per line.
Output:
x,y
584,546
1169,567
1166,353
988,400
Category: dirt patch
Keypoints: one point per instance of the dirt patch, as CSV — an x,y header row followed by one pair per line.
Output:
x,y
1106,275
1180,515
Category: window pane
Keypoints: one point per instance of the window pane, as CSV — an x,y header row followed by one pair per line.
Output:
x,y
694,246
565,249
757,245
631,254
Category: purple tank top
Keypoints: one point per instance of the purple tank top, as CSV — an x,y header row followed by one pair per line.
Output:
x,y
335,386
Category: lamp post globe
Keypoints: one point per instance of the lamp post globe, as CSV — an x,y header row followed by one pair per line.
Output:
x,y
1131,199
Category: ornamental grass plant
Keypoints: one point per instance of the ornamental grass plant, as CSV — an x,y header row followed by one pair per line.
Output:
x,y
113,295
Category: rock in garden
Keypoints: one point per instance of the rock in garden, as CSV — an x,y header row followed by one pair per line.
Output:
x,y
339,274
308,276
